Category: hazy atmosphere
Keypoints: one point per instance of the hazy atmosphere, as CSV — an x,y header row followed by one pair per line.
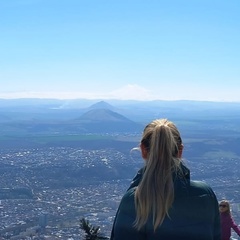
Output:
x,y
142,50
80,80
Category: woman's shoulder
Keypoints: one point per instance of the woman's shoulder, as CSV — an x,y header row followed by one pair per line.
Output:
x,y
200,187
199,184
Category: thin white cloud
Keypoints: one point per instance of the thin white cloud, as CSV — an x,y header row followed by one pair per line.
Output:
x,y
132,92
128,92
54,95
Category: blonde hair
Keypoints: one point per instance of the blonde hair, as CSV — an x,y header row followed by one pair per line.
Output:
x,y
155,193
226,202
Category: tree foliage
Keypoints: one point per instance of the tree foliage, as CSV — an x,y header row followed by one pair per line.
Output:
x,y
91,232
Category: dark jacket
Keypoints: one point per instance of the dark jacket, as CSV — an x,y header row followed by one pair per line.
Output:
x,y
227,223
193,216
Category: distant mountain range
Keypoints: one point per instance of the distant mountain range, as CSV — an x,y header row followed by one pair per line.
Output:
x,y
52,116
98,118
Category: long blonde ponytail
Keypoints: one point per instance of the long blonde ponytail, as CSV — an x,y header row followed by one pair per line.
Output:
x,y
155,193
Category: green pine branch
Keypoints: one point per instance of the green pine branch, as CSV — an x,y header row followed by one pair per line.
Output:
x,y
92,232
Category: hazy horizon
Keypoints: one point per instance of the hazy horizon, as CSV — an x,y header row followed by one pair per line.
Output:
x,y
29,98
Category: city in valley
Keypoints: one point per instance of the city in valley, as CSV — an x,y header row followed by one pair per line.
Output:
x,y
57,186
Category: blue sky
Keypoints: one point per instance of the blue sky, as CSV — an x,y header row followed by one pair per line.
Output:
x,y
124,49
